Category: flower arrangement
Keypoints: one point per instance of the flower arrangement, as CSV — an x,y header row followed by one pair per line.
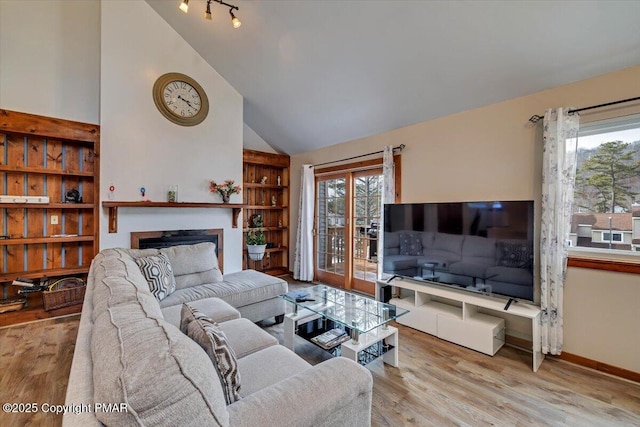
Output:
x,y
225,189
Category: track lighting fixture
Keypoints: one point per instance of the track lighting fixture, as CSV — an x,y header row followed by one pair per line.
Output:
x,y
235,22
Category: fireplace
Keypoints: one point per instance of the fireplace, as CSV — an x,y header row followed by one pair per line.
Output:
x,y
164,239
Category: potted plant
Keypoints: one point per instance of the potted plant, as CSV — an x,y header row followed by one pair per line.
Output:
x,y
256,244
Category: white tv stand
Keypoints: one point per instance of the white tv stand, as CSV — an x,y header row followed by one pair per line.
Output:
x,y
455,316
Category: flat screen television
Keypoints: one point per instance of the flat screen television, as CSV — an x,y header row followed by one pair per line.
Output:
x,y
485,246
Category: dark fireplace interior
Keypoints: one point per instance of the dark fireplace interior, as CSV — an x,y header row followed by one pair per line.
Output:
x,y
164,239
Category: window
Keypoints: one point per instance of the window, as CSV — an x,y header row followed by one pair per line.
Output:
x,y
617,237
606,211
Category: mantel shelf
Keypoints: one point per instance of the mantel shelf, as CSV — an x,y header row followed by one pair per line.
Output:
x,y
114,205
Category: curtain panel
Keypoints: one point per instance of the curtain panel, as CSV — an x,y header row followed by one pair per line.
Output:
x,y
388,196
560,140
303,261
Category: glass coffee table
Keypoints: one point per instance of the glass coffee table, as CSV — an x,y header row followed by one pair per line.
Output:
x,y
344,323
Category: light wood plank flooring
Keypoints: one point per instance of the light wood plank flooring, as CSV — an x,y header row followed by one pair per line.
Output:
x,y
35,360
437,383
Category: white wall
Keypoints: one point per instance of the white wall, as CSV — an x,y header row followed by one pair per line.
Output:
x,y
140,148
50,58
253,141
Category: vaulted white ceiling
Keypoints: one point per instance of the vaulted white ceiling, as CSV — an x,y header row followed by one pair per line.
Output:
x,y
317,73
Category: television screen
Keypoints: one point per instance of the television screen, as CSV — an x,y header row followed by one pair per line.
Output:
x,y
479,246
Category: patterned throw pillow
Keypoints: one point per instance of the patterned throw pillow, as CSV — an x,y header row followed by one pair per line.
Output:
x,y
210,337
410,244
159,274
515,255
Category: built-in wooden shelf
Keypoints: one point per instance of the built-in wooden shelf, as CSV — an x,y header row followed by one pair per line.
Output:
x,y
113,209
264,207
244,230
45,239
48,205
278,249
38,274
43,171
258,185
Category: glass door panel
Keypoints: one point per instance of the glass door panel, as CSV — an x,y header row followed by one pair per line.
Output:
x,y
331,251
366,199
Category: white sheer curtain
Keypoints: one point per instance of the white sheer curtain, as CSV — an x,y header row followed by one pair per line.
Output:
x,y
388,196
303,263
560,139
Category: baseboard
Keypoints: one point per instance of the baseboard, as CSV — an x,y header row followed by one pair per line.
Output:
x,y
599,366
520,343
577,360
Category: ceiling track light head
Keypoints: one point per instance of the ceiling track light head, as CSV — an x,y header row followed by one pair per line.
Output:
x,y
235,22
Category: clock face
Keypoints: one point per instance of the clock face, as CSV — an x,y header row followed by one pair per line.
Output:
x,y
180,99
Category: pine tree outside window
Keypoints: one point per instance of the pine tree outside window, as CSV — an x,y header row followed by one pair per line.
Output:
x,y
606,210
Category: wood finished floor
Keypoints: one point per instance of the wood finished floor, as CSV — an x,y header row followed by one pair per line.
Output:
x,y
437,383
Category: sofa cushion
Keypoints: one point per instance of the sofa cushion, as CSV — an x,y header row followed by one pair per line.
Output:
x,y
238,289
410,244
157,270
515,254
213,340
194,264
162,376
245,337
214,308
282,362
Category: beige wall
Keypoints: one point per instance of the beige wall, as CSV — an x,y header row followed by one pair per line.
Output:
x,y
494,153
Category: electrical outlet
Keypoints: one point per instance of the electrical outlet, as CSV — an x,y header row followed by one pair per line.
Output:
x,y
54,219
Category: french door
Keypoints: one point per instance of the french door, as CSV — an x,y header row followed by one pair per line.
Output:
x,y
346,229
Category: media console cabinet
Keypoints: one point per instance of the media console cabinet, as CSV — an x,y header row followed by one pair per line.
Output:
x,y
461,317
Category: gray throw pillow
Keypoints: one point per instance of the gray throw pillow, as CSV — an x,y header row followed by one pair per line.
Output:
x,y
159,274
515,255
410,244
210,337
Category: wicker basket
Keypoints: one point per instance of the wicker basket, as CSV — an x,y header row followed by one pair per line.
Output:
x,y
64,293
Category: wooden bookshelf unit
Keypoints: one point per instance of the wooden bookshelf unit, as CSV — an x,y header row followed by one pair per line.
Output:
x,y
43,156
259,197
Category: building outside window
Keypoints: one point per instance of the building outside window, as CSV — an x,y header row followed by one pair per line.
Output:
x,y
606,211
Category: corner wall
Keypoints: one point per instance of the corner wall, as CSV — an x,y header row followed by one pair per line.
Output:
x,y
50,58
493,153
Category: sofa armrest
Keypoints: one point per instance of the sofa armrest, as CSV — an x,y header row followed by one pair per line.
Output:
x,y
337,391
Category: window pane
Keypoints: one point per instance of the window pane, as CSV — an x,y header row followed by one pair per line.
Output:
x,y
606,212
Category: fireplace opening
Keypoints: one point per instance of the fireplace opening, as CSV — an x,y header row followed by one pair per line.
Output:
x,y
164,239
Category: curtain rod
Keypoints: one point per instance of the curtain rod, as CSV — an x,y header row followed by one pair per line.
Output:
x,y
398,148
536,118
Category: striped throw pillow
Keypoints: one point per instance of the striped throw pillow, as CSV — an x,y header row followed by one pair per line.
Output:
x,y
159,274
210,337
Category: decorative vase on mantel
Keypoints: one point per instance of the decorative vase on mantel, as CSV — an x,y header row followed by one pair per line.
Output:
x,y
225,198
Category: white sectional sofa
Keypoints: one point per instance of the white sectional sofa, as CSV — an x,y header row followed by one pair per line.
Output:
x,y
131,352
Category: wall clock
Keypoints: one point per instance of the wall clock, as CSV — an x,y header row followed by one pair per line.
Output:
x,y
180,99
